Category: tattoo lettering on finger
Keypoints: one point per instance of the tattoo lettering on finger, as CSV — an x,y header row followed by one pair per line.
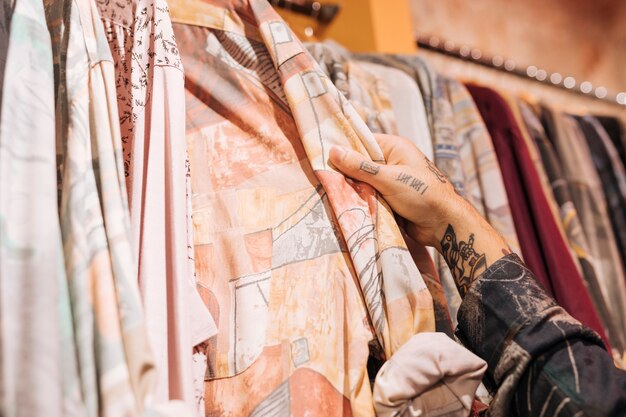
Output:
x,y
431,166
464,262
415,183
369,167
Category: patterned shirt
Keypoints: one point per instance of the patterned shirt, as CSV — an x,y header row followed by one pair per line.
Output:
x,y
612,314
149,81
545,251
370,95
541,361
300,266
116,368
37,356
462,151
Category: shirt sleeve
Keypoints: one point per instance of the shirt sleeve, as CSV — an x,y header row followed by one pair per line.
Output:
x,y
541,361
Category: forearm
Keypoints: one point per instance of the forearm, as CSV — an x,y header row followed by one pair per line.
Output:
x,y
534,349
468,244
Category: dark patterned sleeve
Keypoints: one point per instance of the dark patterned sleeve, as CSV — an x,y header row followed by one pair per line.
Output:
x,y
541,361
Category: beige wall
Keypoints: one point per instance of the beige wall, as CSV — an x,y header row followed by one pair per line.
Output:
x,y
582,38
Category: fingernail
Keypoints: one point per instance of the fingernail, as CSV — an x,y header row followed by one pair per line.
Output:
x,y
337,153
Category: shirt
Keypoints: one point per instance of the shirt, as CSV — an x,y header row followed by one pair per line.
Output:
x,y
462,151
575,233
544,249
540,361
586,191
299,265
149,82
535,157
430,375
407,104
369,93
612,176
115,362
615,130
38,369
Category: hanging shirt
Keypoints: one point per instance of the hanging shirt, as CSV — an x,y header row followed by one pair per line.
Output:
x,y
407,104
586,191
115,362
38,370
462,151
149,81
365,90
300,266
369,93
535,157
615,131
612,315
545,251
483,177
612,176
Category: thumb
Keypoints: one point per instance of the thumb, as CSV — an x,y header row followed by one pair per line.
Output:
x,y
355,165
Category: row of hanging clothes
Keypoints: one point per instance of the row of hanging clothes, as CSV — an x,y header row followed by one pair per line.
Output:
x,y
174,241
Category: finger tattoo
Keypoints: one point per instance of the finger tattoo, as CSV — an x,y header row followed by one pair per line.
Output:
x,y
369,167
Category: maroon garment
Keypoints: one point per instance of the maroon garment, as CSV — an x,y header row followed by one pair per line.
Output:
x,y
545,252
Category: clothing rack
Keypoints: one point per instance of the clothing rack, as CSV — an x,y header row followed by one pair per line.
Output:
x,y
503,64
323,13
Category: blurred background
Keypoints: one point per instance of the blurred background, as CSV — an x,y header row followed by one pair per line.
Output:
x,y
580,38
580,44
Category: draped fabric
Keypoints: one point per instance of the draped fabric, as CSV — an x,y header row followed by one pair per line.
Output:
x,y
610,313
149,83
545,252
370,93
276,227
116,368
462,151
612,176
38,369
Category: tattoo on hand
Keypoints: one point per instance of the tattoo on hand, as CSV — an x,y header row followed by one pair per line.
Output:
x,y
416,184
369,167
434,170
465,263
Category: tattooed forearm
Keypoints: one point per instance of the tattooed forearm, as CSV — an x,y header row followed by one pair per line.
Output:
x,y
465,263
416,184
435,170
369,167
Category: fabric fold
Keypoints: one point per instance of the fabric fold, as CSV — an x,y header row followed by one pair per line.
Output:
x,y
275,226
149,82
430,375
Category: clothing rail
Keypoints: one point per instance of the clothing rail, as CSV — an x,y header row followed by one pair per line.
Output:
x,y
500,63
323,13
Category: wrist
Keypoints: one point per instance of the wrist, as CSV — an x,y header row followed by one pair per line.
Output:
x,y
450,210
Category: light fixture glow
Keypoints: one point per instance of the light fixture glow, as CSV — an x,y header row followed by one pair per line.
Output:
x,y
556,78
542,75
569,82
509,65
586,87
531,71
601,92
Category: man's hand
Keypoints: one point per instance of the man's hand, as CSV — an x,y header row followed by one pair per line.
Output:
x,y
438,216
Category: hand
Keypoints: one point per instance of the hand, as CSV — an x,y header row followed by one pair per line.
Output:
x,y
409,182
438,216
